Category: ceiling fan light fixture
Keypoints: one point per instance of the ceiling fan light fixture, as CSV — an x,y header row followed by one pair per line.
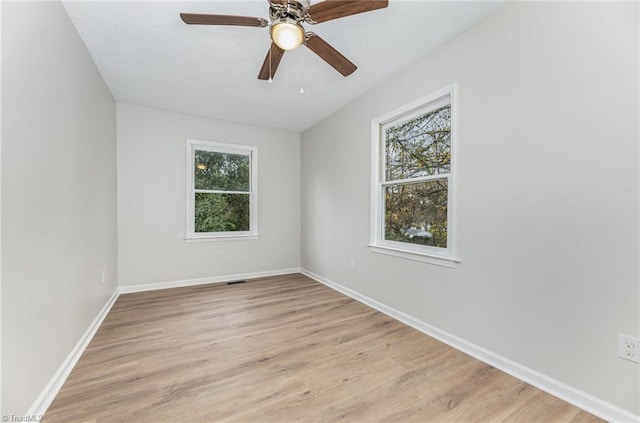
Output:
x,y
287,34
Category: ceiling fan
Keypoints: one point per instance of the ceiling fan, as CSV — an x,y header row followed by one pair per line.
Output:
x,y
287,32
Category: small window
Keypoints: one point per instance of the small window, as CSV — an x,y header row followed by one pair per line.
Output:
x,y
412,181
221,190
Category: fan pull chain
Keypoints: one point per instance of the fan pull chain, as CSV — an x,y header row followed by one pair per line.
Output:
x,y
270,78
302,65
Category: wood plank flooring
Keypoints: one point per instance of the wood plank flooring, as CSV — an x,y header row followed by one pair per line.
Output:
x,y
282,349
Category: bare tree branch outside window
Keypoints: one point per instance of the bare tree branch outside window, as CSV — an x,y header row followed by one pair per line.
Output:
x,y
416,208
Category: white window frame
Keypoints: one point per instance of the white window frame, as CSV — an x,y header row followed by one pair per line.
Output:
x,y
219,147
434,255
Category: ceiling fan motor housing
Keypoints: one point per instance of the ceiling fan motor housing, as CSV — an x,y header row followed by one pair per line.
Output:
x,y
290,9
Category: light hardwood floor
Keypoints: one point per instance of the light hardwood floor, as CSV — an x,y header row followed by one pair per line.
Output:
x,y
282,349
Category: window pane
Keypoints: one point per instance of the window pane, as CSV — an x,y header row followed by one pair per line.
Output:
x,y
221,212
221,171
417,213
420,146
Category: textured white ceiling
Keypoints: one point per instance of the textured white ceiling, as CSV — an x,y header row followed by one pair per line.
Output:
x,y
148,56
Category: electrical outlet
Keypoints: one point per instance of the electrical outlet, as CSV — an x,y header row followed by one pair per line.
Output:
x,y
220,255
352,264
629,348
104,276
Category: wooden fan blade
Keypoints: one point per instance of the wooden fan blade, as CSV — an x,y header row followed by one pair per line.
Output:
x,y
199,19
274,55
330,55
334,9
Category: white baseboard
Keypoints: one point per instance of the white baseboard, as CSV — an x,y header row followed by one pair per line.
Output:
x,y
585,401
50,391
128,289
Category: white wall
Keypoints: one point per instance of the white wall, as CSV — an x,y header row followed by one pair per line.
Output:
x,y
547,193
151,199
58,196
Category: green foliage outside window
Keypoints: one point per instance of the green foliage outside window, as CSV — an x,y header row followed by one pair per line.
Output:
x,y
221,212
221,171
227,209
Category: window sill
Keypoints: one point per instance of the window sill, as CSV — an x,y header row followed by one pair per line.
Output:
x,y
214,238
444,261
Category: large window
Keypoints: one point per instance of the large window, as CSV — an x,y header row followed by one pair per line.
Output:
x,y
412,181
221,190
